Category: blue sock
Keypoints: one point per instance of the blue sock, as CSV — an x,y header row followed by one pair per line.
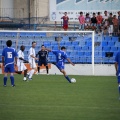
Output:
x,y
68,79
12,80
119,89
5,80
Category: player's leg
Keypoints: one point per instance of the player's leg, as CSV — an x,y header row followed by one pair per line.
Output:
x,y
47,69
34,68
25,71
118,77
19,69
11,70
46,64
5,76
12,79
60,66
5,79
38,68
66,76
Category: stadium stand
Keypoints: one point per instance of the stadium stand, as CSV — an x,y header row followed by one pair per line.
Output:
x,y
78,50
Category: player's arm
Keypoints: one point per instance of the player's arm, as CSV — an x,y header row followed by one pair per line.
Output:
x,y
23,59
116,63
15,60
34,57
49,50
61,17
3,57
70,61
116,66
3,60
31,55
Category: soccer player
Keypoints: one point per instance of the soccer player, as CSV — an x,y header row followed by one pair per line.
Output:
x,y
20,62
117,68
8,56
32,58
65,21
61,56
43,58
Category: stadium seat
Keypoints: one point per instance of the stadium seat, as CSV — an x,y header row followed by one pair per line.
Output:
x,y
114,39
75,43
113,49
117,44
88,43
85,48
98,48
119,49
104,43
107,38
87,54
77,48
68,43
110,43
106,49
80,54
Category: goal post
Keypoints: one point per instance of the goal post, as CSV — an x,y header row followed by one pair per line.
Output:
x,y
76,42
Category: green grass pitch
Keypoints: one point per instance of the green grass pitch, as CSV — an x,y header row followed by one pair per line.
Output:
x,y
53,98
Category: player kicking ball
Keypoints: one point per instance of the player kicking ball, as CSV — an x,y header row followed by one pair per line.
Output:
x,y
117,68
8,56
61,56
20,62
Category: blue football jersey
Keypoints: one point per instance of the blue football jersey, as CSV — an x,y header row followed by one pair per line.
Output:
x,y
60,55
117,59
9,54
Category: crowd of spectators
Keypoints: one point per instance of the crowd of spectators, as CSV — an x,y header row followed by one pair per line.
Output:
x,y
107,24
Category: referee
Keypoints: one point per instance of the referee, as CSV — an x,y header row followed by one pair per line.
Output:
x,y
43,59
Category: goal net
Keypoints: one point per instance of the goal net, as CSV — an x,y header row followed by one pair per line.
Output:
x,y
81,46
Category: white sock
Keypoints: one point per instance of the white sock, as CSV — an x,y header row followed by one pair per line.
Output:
x,y
31,73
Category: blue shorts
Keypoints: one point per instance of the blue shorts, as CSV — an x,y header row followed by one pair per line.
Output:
x,y
118,77
40,63
9,68
60,65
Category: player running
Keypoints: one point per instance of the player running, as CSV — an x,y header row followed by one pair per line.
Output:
x,y
43,58
117,68
32,58
8,56
20,62
61,56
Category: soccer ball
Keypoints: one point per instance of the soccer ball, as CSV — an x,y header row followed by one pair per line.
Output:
x,y
73,80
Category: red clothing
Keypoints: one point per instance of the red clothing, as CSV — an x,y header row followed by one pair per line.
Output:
x,y
81,19
65,20
99,19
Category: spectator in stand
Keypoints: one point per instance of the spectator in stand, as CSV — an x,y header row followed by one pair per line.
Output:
x,y
87,21
65,21
99,21
105,17
105,26
81,19
93,22
115,25
119,21
110,22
